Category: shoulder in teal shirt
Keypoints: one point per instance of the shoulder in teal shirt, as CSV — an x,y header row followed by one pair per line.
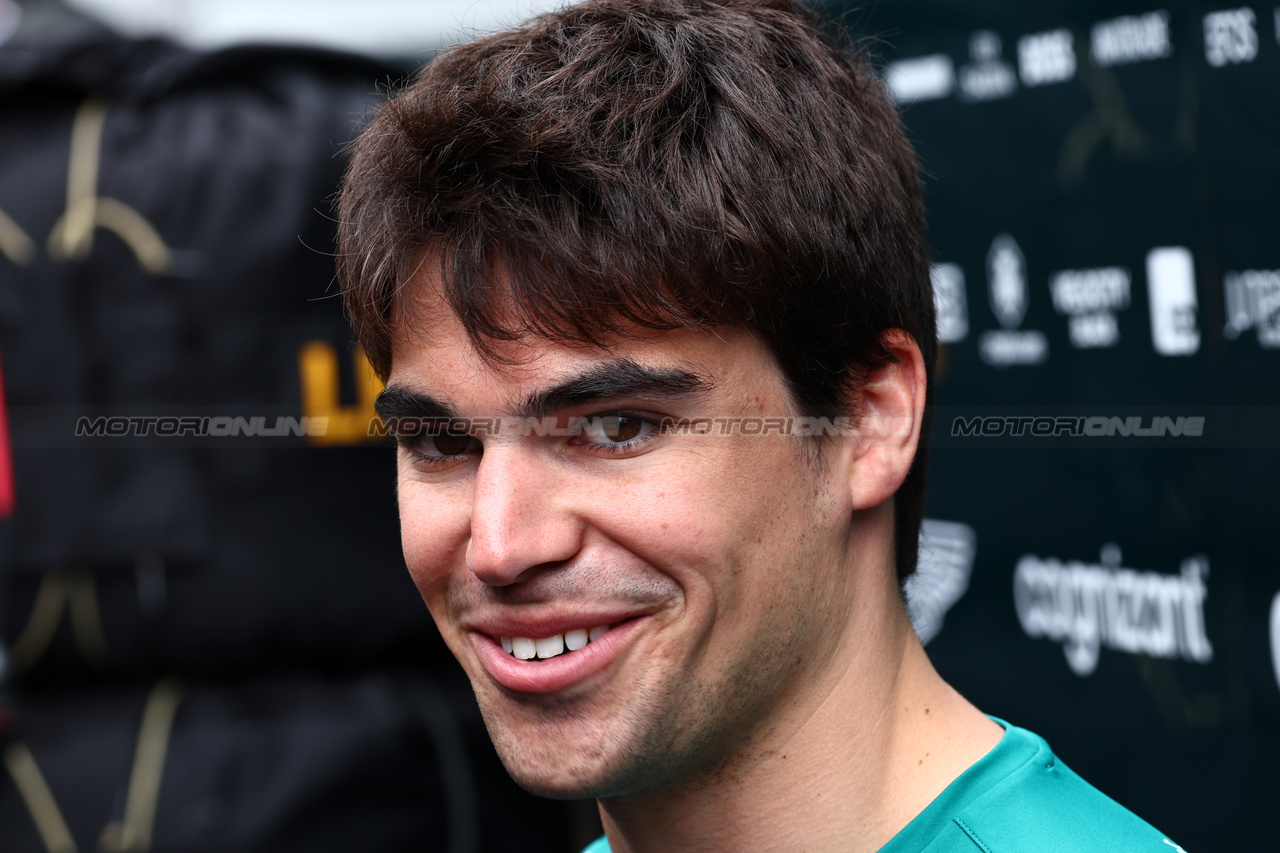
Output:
x,y
1019,798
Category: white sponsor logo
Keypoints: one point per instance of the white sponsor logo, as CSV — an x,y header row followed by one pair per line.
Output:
x,y
1094,330
1275,635
942,574
1091,298
949,302
1230,37
1007,280
1007,286
1133,38
923,78
1253,302
986,77
1045,58
1087,606
1171,287
1002,349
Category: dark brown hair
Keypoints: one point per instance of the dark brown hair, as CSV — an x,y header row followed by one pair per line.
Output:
x,y
657,164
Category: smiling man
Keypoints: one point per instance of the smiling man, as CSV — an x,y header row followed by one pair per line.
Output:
x,y
648,284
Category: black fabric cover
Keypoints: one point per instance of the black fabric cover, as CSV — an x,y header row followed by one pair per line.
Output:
x,y
272,550
320,710
383,761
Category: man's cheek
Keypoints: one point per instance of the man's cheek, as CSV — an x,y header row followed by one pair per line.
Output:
x,y
429,562
431,537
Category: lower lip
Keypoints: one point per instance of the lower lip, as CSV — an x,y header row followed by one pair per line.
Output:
x,y
557,673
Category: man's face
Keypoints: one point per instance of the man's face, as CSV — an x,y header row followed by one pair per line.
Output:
x,y
715,562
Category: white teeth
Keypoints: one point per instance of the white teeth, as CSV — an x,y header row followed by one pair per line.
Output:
x,y
525,648
550,646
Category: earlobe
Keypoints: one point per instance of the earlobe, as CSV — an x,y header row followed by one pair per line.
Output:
x,y
892,408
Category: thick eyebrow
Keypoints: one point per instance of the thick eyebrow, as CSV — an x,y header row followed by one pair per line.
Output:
x,y
607,381
396,402
623,378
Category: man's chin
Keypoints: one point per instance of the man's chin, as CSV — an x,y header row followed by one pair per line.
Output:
x,y
560,778
572,746
551,746
554,789
563,765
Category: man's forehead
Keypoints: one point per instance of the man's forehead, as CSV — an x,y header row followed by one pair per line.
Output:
x,y
434,351
536,375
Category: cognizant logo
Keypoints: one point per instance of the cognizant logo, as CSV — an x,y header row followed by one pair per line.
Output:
x,y
1088,606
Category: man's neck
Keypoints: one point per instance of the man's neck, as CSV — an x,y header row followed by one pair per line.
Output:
x,y
843,769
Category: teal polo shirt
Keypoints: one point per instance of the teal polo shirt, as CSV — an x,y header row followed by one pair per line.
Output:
x,y
1019,798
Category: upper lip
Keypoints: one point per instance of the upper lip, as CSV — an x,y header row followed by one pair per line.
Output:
x,y
546,625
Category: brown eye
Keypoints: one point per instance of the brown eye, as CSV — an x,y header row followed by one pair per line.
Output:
x,y
620,428
612,430
452,443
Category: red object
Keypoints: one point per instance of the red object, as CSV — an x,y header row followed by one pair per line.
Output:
x,y
6,457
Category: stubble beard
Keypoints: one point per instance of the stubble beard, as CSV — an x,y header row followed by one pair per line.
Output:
x,y
689,735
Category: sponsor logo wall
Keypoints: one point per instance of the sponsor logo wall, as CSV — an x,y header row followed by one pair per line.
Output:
x,y
1101,184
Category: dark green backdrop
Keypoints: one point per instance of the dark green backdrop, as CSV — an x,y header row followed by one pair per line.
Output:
x,y
1102,183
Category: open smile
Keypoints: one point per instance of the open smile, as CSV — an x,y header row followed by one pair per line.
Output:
x,y
527,648
555,662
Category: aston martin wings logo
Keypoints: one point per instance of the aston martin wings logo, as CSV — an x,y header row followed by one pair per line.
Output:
x,y
947,549
1007,280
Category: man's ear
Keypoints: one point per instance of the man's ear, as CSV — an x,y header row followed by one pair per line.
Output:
x,y
891,408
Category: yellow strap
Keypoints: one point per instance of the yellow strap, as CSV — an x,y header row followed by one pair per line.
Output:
x,y
46,612
133,834
86,620
39,799
79,593
72,235
136,231
14,242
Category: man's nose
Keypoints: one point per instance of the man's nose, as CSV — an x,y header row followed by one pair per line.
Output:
x,y
519,517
